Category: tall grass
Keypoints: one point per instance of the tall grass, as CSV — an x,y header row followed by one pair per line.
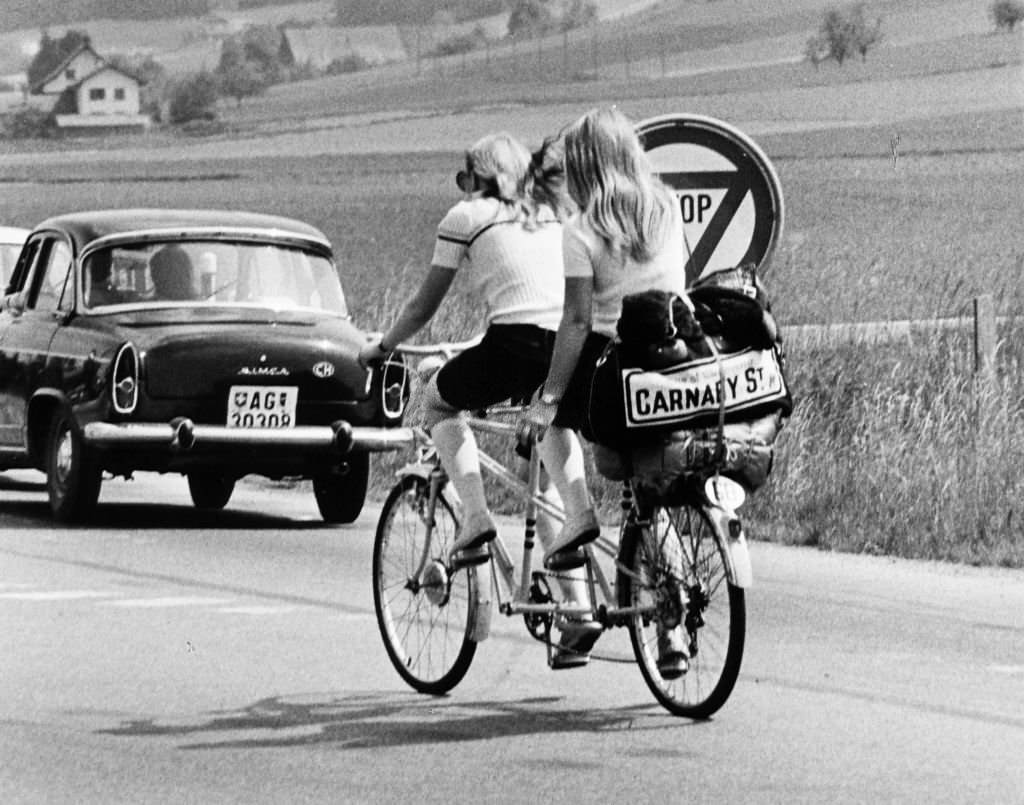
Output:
x,y
901,450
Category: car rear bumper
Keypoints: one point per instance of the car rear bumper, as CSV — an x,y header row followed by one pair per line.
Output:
x,y
183,435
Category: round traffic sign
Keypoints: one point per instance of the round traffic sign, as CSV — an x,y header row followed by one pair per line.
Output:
x,y
728,191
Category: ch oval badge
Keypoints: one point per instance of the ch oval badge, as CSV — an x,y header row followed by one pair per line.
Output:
x,y
323,369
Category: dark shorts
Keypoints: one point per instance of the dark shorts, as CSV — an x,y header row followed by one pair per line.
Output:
x,y
509,363
572,410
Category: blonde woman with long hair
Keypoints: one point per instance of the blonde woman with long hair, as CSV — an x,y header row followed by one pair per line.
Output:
x,y
625,237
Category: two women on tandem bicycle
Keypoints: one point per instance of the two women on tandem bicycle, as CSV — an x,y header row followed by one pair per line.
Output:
x,y
552,268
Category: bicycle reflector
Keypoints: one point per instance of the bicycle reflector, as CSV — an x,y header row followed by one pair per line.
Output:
x,y
724,492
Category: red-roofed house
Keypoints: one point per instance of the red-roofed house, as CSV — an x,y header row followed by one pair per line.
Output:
x,y
91,95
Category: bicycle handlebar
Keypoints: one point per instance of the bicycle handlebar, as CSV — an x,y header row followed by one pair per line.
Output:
x,y
446,349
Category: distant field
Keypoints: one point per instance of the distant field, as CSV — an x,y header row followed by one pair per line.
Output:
x,y
864,239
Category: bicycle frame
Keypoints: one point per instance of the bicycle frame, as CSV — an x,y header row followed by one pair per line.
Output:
x,y
673,576
512,589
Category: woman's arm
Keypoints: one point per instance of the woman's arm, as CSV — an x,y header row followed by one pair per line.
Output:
x,y
415,314
572,333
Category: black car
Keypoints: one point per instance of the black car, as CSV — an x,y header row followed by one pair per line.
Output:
x,y
208,343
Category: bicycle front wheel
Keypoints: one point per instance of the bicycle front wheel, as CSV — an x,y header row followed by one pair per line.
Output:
x,y
424,614
676,576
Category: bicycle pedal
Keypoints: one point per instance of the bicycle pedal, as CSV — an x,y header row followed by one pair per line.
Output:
x,y
471,557
566,560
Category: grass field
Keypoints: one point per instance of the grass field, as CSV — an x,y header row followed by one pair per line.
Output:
x,y
891,450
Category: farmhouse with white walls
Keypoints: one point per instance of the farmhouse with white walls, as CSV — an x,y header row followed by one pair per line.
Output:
x,y
87,94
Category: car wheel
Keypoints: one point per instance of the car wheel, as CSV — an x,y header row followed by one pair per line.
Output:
x,y
209,490
340,494
73,476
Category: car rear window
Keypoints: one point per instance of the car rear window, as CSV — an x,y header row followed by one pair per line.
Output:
x,y
213,273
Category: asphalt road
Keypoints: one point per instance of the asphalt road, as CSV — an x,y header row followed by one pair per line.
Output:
x,y
167,655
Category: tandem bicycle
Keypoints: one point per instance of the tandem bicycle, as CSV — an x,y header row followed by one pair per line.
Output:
x,y
680,561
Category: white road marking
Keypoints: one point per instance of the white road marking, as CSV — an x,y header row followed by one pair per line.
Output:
x,y
170,601
56,595
1007,669
257,609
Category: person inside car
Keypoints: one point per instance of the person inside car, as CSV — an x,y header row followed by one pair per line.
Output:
x,y
171,272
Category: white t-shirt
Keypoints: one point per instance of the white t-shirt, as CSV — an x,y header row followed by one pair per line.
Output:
x,y
515,272
616,276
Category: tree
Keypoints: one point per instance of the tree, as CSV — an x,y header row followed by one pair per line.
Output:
x,y
843,34
865,34
194,98
530,17
578,13
1006,14
250,62
242,80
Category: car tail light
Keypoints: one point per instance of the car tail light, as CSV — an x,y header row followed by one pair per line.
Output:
x,y
125,379
394,388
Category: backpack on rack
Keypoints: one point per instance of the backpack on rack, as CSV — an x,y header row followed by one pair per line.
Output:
x,y
687,387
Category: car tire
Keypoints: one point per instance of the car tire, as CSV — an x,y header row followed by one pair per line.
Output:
x,y
73,475
209,490
340,495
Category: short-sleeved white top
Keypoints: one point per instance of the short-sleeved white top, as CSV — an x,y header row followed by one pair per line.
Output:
x,y
616,276
515,272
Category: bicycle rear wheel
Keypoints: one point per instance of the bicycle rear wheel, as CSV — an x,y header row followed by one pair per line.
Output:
x,y
424,615
677,568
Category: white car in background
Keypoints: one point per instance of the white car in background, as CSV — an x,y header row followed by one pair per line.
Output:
x,y
11,240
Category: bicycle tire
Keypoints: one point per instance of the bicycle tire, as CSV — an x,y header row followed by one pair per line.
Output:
x,y
713,617
427,641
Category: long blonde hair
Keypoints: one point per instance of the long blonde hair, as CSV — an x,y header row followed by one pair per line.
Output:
x,y
610,178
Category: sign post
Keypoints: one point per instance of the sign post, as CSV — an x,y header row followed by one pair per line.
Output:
x,y
728,191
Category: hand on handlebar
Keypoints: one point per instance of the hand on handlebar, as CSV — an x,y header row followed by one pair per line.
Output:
x,y
371,352
537,419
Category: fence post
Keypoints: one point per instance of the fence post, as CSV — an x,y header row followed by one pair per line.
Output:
x,y
984,335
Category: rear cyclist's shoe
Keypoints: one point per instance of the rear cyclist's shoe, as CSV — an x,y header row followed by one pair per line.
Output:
x,y
471,547
672,655
565,553
575,640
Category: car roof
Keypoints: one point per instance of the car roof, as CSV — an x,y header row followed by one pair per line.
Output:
x,y
85,227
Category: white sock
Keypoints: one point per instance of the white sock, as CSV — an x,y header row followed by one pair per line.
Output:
x,y
562,454
456,447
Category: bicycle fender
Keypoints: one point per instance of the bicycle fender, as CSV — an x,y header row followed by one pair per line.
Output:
x,y
738,567
480,627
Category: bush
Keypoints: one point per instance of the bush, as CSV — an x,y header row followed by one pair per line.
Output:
x,y
842,34
460,43
1006,13
193,98
530,18
28,122
352,63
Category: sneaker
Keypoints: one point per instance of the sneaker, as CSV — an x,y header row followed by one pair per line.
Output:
x,y
471,546
575,640
672,654
565,553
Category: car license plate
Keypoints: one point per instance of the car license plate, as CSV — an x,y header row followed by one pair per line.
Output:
x,y
262,406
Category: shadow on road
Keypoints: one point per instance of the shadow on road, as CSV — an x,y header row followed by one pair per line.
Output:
x,y
136,516
381,720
